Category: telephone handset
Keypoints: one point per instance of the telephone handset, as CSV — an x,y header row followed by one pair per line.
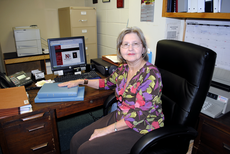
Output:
x,y
5,81
17,79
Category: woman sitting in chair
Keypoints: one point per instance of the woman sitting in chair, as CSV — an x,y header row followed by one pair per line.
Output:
x,y
138,89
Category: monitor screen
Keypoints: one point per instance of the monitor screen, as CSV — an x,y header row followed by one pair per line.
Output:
x,y
67,54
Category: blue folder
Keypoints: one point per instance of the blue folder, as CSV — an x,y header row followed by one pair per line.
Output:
x,y
79,97
53,90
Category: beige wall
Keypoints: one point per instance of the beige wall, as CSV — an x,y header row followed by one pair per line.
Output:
x,y
111,20
43,13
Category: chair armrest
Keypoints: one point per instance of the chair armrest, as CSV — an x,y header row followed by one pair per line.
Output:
x,y
154,136
108,102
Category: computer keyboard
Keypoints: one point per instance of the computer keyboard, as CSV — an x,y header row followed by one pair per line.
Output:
x,y
87,75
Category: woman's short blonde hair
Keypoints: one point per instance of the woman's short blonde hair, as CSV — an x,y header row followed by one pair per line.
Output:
x,y
139,33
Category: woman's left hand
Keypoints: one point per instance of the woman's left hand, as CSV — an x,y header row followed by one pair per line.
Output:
x,y
121,125
99,133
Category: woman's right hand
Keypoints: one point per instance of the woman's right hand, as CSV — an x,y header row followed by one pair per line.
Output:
x,y
70,84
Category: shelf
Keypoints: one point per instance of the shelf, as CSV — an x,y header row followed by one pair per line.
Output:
x,y
225,16
14,64
26,59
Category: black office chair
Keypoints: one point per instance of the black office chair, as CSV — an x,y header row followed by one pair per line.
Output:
x,y
186,71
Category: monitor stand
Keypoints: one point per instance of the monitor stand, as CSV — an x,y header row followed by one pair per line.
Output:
x,y
72,71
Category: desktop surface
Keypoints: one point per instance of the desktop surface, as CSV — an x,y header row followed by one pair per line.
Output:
x,y
93,98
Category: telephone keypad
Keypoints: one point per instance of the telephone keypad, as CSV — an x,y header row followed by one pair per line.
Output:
x,y
15,80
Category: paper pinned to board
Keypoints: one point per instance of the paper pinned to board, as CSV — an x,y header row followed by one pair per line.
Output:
x,y
113,59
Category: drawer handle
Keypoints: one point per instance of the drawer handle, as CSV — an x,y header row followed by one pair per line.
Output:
x,y
226,146
33,117
36,128
39,146
83,20
91,101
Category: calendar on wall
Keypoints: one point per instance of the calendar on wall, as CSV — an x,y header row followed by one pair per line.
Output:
x,y
214,35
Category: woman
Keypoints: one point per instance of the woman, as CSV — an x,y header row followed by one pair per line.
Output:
x,y
138,88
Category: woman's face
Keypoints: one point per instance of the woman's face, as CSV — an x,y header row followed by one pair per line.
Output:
x,y
131,47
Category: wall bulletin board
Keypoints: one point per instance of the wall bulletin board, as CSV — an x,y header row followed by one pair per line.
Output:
x,y
211,34
214,35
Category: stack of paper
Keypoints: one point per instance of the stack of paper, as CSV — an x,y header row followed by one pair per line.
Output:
x,y
13,101
112,59
51,92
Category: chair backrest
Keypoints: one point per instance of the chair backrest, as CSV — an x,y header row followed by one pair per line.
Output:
x,y
186,71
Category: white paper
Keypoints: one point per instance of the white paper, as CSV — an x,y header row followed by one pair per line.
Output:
x,y
113,58
173,31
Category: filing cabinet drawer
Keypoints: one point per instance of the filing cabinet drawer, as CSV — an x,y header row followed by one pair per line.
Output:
x,y
91,52
79,21
82,18
89,33
215,139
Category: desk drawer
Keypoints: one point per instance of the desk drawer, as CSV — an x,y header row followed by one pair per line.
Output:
x,y
68,108
34,145
34,132
29,129
215,139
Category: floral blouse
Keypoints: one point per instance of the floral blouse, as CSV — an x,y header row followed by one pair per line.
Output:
x,y
139,102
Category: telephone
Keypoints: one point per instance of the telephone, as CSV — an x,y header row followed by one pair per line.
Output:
x,y
217,103
15,80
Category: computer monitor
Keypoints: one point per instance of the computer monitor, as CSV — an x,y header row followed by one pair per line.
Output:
x,y
67,54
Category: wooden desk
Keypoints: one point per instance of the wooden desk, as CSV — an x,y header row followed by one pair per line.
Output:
x,y
36,132
14,64
213,135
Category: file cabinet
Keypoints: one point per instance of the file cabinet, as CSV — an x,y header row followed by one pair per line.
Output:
x,y
34,133
80,21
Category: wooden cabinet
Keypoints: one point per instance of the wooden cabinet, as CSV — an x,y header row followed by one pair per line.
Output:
x,y
213,135
193,15
80,21
34,132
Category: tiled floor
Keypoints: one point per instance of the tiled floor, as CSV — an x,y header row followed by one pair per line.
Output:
x,y
65,152
189,151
